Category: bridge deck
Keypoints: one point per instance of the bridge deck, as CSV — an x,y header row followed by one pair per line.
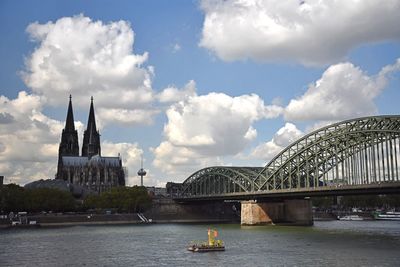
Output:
x,y
379,188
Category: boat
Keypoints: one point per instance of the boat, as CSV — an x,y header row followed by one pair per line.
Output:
x,y
351,218
389,216
212,244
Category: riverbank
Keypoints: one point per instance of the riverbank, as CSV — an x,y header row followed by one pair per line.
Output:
x,y
66,220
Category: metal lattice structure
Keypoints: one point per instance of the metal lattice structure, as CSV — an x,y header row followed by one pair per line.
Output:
x,y
353,153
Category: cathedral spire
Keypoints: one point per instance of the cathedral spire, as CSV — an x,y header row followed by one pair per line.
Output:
x,y
69,123
91,120
91,137
69,140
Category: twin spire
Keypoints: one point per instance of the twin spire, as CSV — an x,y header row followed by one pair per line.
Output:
x,y
91,137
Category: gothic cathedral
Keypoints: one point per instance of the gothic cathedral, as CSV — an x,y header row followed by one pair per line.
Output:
x,y
90,170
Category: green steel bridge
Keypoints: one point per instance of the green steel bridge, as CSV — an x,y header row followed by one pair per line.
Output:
x,y
358,156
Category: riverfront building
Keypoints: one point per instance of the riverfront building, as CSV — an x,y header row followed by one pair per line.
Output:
x,y
91,171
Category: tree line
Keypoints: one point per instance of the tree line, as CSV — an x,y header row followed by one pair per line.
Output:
x,y
122,199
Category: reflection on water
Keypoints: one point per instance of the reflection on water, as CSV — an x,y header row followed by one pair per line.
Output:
x,y
334,243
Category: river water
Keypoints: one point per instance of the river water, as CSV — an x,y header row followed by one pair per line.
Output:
x,y
332,243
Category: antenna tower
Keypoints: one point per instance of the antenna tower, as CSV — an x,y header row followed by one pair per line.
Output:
x,y
141,172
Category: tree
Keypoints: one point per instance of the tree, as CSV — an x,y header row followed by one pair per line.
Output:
x,y
49,199
12,198
123,199
16,198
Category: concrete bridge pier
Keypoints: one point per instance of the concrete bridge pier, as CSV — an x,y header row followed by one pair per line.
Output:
x,y
291,211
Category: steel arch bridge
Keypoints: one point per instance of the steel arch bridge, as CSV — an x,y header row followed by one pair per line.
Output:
x,y
354,156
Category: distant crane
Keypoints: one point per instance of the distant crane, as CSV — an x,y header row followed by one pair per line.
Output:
x,y
141,172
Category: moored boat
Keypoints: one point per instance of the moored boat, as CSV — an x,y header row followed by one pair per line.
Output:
x,y
212,244
389,216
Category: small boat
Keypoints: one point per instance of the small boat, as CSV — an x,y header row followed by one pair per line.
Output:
x,y
351,218
212,244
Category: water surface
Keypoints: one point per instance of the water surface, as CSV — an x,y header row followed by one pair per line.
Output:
x,y
334,243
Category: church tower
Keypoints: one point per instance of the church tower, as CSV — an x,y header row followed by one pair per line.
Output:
x,y
69,139
91,137
89,173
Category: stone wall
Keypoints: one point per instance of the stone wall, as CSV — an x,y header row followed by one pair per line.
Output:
x,y
165,210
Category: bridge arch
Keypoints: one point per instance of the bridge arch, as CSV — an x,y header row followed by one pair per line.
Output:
x,y
352,152
355,152
220,180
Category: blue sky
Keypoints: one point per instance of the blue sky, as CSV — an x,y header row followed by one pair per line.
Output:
x,y
201,83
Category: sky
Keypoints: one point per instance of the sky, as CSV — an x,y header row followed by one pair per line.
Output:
x,y
189,84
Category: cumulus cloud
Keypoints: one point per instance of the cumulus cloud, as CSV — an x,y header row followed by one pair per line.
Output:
x,y
29,141
126,116
180,161
90,58
310,32
344,91
282,138
215,124
173,94
202,129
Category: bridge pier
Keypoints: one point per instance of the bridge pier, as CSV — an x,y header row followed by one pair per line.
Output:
x,y
292,211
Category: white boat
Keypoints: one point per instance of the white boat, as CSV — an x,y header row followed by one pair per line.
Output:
x,y
390,216
351,218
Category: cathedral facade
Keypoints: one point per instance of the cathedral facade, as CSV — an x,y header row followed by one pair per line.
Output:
x,y
89,170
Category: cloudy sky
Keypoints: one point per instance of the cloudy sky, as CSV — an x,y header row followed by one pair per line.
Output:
x,y
189,84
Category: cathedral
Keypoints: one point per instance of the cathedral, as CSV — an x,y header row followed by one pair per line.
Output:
x,y
91,171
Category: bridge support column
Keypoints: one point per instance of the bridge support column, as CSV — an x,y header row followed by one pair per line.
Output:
x,y
253,213
294,211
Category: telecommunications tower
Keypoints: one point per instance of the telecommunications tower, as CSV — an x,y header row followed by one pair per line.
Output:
x,y
141,172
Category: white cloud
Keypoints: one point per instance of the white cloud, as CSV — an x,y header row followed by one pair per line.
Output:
x,y
126,116
344,91
215,124
310,32
287,135
203,129
176,48
90,58
173,94
28,142
178,162
283,137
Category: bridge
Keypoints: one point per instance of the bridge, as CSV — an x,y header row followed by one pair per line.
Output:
x,y
358,156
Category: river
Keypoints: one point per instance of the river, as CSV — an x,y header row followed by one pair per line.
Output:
x,y
331,243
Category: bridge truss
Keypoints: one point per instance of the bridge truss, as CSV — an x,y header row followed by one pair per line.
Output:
x,y
358,153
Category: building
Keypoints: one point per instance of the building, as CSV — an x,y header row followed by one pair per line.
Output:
x,y
173,189
91,171
157,191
